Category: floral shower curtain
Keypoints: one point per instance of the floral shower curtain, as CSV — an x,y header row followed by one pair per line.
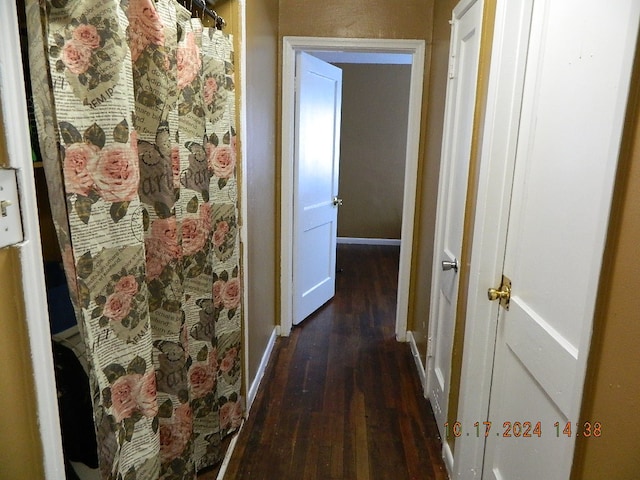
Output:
x,y
135,109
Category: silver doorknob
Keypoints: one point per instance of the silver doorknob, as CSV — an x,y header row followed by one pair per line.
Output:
x,y
337,202
447,265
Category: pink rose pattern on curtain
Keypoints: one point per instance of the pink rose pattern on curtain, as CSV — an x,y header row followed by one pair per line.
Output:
x,y
220,149
141,102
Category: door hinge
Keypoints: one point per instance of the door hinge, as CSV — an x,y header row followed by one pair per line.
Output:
x,y
452,67
503,293
429,347
453,60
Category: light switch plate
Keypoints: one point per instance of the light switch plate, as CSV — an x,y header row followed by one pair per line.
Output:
x,y
10,219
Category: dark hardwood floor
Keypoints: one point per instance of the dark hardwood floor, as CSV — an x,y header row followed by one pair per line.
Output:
x,y
341,399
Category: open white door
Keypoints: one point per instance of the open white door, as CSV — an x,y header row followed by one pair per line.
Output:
x,y
315,199
575,92
452,194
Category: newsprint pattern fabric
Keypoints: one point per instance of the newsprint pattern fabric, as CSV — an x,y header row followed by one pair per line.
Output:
x,y
135,108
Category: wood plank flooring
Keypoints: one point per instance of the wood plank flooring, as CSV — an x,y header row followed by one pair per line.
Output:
x,y
341,399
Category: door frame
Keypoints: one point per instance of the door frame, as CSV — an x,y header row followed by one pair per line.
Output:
x,y
291,45
18,141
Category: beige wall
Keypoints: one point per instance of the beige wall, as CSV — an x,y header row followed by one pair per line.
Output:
x,y
356,18
433,122
259,145
375,109
20,449
612,386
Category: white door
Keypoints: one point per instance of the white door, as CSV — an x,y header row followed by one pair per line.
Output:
x,y
315,202
452,193
575,90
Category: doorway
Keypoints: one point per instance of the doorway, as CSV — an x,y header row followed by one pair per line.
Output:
x,y
292,45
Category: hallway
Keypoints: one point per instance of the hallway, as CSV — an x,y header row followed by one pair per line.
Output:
x,y
341,398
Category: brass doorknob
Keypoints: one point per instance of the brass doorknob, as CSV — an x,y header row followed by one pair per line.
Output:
x,y
502,294
495,294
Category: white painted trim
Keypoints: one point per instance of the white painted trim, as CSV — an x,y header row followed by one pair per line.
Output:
x,y
255,384
419,365
286,190
227,456
364,58
250,398
244,201
394,242
16,126
447,456
416,48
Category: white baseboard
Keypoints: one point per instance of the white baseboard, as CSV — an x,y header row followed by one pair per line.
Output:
x,y
418,359
227,457
251,396
447,456
370,241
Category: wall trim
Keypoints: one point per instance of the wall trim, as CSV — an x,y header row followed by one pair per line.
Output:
x,y
291,45
418,359
227,456
447,456
255,384
244,200
251,396
12,90
395,242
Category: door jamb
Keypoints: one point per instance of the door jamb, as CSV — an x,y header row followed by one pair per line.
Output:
x,y
291,45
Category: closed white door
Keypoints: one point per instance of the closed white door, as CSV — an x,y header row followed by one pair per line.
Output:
x,y
452,193
575,89
317,150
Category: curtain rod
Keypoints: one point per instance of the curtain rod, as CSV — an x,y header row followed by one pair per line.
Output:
x,y
220,22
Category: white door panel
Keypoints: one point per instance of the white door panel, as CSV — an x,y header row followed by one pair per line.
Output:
x,y
318,109
537,455
570,130
549,358
456,148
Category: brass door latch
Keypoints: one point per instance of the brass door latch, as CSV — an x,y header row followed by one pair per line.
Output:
x,y
503,293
